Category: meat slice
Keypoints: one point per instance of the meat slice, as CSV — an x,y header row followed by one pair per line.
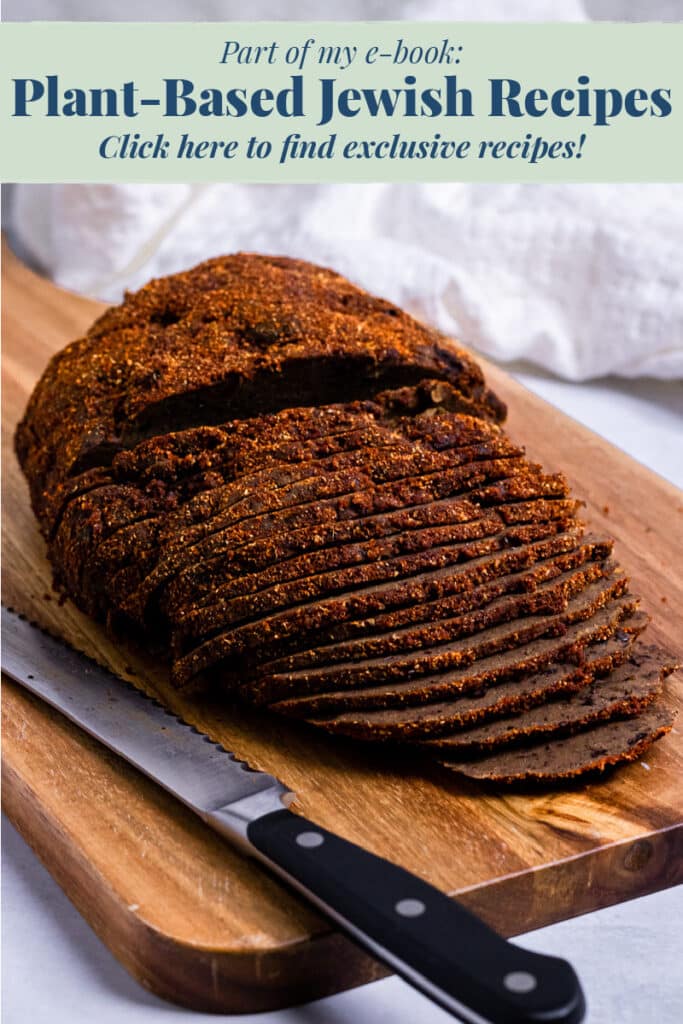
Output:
x,y
549,597
211,618
591,750
207,596
626,691
359,498
500,697
220,502
309,603
172,469
460,597
262,562
590,548
108,565
322,500
521,487
265,553
169,470
70,490
266,472
203,585
436,655
275,557
443,686
193,460
216,492
308,617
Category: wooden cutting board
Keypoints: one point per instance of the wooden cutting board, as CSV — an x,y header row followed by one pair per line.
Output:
x,y
199,924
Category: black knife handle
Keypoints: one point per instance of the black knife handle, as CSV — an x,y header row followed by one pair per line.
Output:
x,y
432,941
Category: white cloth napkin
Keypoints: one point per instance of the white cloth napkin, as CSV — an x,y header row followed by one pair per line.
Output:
x,y
583,280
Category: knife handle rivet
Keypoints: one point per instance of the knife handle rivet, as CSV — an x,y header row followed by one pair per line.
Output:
x,y
410,908
310,839
519,982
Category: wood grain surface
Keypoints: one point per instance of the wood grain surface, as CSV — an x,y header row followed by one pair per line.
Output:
x,y
198,923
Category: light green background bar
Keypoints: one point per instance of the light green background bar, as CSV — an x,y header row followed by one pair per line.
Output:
x,y
548,56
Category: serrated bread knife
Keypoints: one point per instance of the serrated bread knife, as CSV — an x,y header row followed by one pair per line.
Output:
x,y
433,942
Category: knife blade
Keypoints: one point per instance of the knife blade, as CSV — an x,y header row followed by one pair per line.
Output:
x,y
430,940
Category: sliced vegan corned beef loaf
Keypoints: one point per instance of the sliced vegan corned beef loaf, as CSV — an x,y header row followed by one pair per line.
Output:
x,y
306,498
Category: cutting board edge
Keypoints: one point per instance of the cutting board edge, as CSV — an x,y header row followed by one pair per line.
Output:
x,y
592,880
201,979
247,981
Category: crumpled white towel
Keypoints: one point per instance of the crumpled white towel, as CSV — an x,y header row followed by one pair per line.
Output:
x,y
583,280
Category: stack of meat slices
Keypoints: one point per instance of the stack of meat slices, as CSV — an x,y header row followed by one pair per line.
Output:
x,y
302,494
390,570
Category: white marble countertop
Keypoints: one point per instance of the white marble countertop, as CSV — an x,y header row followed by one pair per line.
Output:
x,y
628,957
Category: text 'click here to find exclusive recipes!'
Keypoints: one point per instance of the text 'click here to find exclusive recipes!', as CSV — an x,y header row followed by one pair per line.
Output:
x,y
357,101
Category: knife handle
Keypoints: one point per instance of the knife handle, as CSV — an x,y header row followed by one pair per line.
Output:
x,y
432,941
